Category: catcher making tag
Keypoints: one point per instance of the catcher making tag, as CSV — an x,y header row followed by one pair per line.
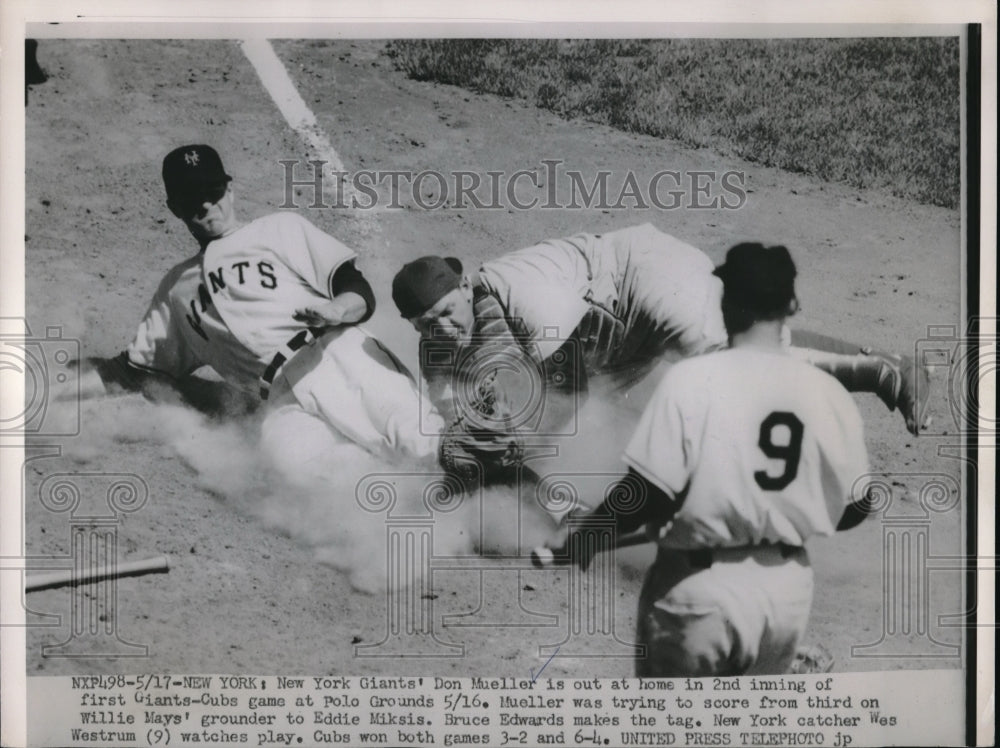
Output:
x,y
612,305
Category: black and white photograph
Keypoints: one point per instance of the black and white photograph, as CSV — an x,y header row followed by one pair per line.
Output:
x,y
608,384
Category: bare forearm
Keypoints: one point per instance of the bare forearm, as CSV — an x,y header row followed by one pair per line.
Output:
x,y
351,307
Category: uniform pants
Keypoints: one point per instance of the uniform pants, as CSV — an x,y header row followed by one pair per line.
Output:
x,y
346,396
744,614
666,295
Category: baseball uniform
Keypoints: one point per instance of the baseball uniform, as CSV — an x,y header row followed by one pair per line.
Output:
x,y
232,308
761,452
657,290
629,296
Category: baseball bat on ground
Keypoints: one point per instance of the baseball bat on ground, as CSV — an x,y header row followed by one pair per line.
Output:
x,y
544,557
74,576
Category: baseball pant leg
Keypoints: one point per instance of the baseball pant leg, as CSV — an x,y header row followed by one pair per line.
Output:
x,y
356,385
897,380
668,295
680,623
744,614
301,447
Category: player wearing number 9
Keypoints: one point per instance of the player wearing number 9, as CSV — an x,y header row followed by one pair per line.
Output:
x,y
740,457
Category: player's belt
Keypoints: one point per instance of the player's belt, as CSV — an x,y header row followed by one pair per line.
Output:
x,y
703,558
301,340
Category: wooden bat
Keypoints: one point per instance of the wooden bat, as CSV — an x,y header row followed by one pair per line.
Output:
x,y
543,557
64,577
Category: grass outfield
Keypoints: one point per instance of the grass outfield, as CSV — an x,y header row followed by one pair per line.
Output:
x,y
873,113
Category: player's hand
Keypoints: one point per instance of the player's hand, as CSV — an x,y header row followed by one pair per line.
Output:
x,y
327,314
575,551
574,545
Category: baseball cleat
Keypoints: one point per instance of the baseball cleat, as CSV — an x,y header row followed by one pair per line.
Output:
x,y
915,395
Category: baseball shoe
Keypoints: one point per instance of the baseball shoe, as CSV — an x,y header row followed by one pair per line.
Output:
x,y
905,385
812,659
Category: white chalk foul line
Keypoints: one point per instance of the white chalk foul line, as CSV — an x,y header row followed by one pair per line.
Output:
x,y
293,108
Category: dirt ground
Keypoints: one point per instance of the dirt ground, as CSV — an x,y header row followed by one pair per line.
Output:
x,y
255,588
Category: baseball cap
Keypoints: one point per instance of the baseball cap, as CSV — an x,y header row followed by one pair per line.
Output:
x,y
758,278
192,172
422,283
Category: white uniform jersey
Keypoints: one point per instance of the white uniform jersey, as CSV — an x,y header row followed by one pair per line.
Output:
x,y
232,306
758,446
660,288
263,272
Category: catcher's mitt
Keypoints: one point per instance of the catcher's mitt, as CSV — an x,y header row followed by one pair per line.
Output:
x,y
480,444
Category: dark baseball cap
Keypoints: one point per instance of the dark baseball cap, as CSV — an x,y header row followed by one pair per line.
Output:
x,y
192,172
758,278
422,283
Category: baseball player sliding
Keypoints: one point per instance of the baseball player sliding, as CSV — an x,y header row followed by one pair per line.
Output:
x,y
612,305
272,306
740,456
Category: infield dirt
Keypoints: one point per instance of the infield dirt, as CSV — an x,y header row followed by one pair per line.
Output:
x,y
255,585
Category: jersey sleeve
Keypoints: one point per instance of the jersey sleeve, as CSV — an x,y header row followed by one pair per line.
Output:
x,y
311,253
158,345
662,448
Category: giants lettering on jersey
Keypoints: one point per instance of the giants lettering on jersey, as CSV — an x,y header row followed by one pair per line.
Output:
x,y
204,300
264,275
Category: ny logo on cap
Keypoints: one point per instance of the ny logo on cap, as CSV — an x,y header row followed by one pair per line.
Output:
x,y
191,159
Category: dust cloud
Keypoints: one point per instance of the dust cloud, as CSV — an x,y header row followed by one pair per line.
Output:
x,y
348,506
346,510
